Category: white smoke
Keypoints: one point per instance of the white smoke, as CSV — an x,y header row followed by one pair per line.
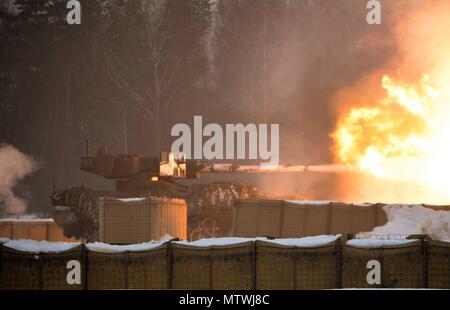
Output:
x,y
415,219
14,166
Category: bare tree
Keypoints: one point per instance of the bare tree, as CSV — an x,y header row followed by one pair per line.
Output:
x,y
250,35
149,72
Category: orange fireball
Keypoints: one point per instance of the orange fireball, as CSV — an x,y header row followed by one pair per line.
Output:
x,y
404,136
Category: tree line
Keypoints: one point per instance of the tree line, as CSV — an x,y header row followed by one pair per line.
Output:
x,y
133,69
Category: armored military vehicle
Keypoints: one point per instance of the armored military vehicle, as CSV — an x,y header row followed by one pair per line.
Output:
x,y
79,210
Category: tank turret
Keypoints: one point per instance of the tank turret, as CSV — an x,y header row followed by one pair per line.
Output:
x,y
133,172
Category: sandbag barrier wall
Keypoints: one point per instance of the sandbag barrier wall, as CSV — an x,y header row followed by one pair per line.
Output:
x,y
249,265
287,219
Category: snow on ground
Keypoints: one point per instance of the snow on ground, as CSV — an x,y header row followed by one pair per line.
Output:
x,y
100,247
300,242
132,199
219,241
310,202
415,219
32,246
377,243
25,218
363,205
314,241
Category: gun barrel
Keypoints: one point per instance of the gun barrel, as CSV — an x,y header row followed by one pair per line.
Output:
x,y
231,168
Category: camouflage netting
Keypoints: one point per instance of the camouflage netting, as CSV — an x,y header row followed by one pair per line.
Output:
x,y
82,221
211,208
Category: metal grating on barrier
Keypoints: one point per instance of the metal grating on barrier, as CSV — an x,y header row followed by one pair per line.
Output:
x,y
248,265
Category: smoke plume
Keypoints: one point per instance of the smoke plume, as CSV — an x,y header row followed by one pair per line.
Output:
x,y
14,166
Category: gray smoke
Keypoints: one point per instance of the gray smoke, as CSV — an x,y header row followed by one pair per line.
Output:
x,y
14,166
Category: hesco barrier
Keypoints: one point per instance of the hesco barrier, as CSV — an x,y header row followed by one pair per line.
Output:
x,y
291,267
213,267
128,270
255,264
37,229
402,266
125,221
39,271
289,219
438,255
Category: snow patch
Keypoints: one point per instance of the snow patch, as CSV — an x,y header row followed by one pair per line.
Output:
x,y
300,242
314,241
219,241
310,202
3,240
132,199
100,247
377,243
415,219
32,246
29,218
363,205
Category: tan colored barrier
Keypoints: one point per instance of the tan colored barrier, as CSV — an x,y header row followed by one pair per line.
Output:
x,y
283,219
232,267
106,271
123,221
173,218
247,265
304,220
317,220
258,218
269,218
129,270
294,221
363,218
439,264
6,230
21,230
244,219
341,218
55,234
381,216
289,267
438,207
148,269
402,266
191,267
356,218
38,229
215,267
33,271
